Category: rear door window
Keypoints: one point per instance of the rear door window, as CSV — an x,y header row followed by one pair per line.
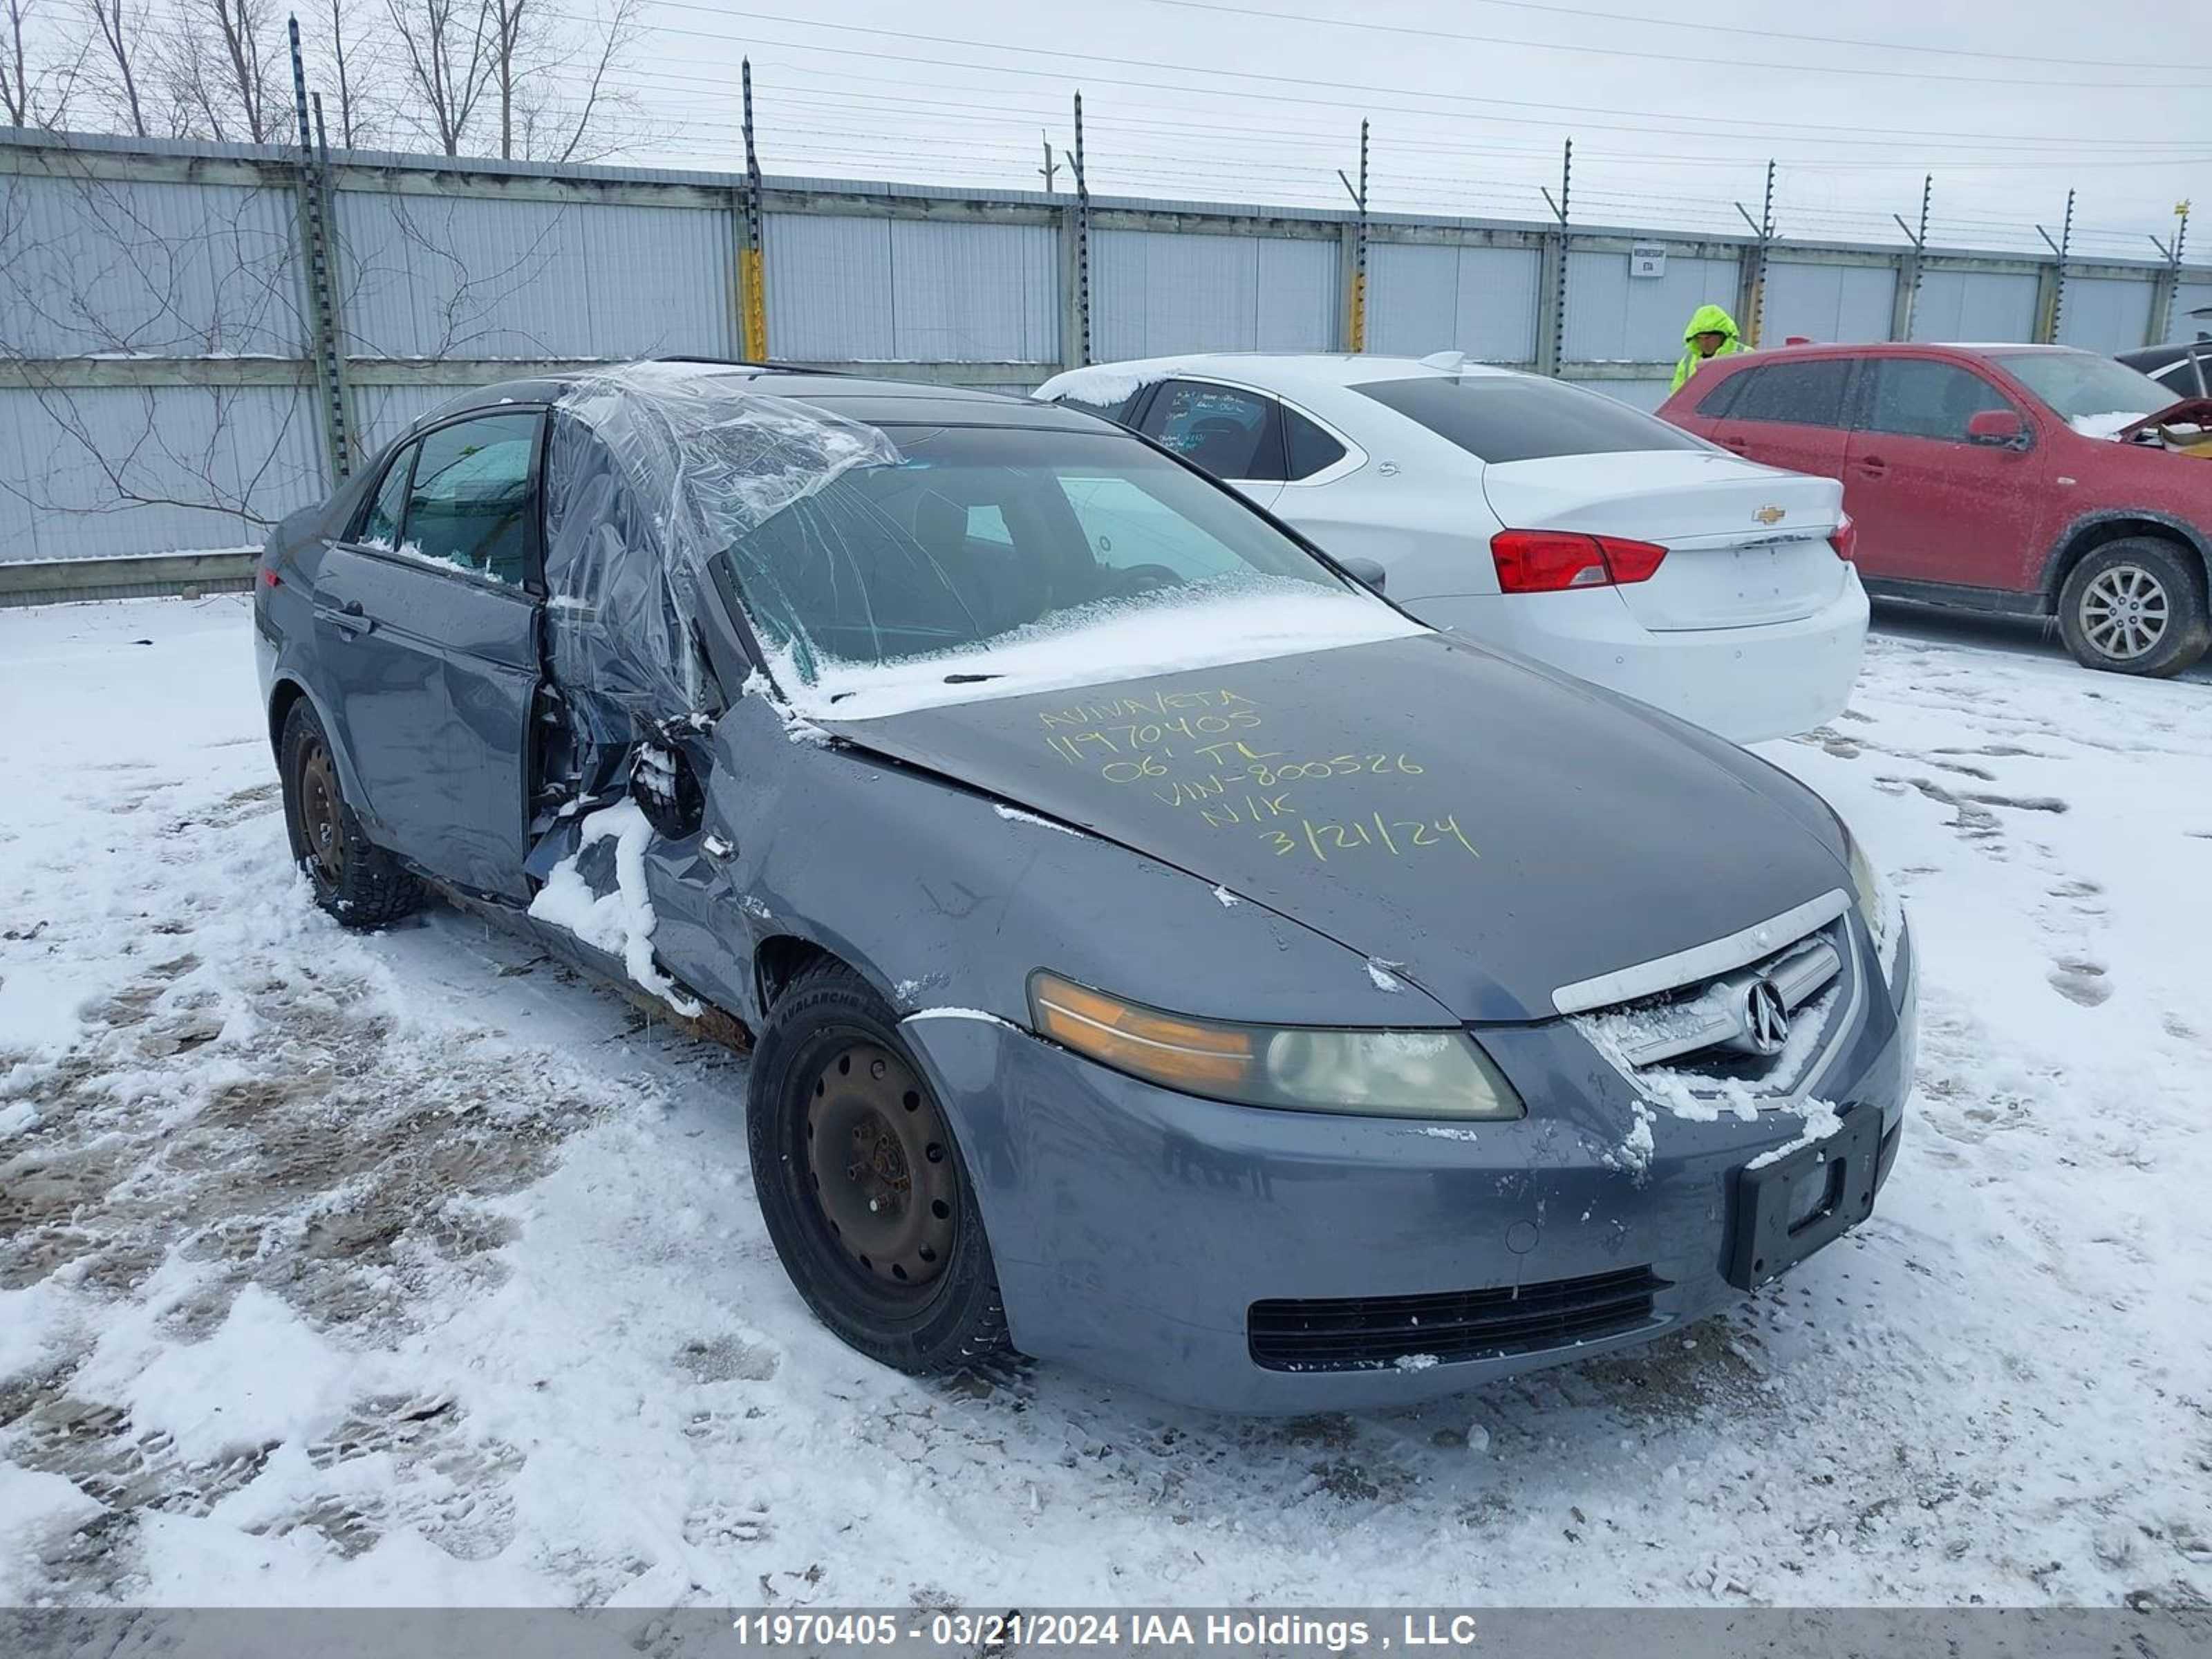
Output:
x,y
473,502
1230,433
1517,417
1794,394
1920,397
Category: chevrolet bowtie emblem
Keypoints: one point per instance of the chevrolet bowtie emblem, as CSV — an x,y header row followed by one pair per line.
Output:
x,y
1771,515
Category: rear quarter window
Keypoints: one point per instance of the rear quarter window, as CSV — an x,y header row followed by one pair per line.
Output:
x,y
1509,417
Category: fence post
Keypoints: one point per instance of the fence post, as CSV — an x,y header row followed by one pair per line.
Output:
x,y
752,266
2051,291
322,307
1753,277
1075,324
2167,294
1551,303
1908,267
1355,263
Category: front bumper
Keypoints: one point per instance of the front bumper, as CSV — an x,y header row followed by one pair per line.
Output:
x,y
1772,680
1135,1228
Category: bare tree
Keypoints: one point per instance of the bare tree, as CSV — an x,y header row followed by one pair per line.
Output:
x,y
445,52
343,46
222,70
550,74
248,78
122,44
443,72
599,119
353,61
37,75
508,59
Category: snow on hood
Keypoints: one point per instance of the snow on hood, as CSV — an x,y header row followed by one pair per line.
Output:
x,y
1110,639
2107,426
1107,383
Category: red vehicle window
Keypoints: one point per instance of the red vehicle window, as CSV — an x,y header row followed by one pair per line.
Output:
x,y
1919,398
1799,394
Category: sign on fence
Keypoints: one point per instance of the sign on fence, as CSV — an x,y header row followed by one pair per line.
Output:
x,y
1647,259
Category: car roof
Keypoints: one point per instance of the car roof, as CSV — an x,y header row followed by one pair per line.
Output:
x,y
2159,357
1286,369
855,398
1743,361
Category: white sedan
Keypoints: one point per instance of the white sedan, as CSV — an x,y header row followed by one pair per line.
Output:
x,y
1532,515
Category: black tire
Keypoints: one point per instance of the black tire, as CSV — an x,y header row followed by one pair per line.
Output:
x,y
360,884
907,1278
2136,606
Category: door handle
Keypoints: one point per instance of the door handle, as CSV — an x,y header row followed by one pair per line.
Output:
x,y
348,617
1873,466
1739,445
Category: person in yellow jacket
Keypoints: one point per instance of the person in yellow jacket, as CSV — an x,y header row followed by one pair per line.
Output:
x,y
1711,333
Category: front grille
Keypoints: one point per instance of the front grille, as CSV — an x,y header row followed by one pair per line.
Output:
x,y
1699,1031
1372,1333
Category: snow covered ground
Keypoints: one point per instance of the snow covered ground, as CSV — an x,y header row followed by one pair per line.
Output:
x,y
412,1269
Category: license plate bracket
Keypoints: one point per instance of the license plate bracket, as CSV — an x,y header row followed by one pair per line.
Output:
x,y
1770,1237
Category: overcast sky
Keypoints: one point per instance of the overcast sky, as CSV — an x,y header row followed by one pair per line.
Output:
x,y
1674,107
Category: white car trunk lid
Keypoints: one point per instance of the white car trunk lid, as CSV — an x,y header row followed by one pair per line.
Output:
x,y
1747,544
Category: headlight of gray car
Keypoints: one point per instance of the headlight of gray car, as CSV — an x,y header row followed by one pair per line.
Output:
x,y
1300,1068
1878,908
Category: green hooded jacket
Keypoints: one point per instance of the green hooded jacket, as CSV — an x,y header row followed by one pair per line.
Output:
x,y
1706,319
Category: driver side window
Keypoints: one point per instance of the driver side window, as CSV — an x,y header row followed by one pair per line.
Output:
x,y
1919,398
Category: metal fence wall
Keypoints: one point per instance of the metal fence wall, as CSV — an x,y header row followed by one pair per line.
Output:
x,y
158,320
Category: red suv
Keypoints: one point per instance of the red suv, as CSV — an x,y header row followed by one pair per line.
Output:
x,y
2022,479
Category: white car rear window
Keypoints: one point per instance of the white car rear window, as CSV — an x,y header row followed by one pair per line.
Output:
x,y
1500,417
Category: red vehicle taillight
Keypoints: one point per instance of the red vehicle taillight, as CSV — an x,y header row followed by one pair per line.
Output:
x,y
1548,561
1845,538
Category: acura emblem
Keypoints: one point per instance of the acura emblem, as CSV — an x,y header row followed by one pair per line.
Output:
x,y
1771,515
1766,1021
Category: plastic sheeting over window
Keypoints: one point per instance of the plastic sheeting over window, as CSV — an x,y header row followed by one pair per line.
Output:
x,y
652,470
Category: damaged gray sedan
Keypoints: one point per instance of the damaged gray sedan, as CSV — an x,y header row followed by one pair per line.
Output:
x,y
1163,954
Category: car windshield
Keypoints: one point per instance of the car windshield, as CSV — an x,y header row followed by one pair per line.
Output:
x,y
1518,418
992,561
2078,385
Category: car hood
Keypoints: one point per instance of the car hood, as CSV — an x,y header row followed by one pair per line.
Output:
x,y
2188,412
1487,831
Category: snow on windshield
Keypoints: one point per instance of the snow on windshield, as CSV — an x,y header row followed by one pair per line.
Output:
x,y
1111,639
2108,425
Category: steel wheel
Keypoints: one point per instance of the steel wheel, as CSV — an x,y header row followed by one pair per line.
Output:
x,y
354,880
2123,611
880,1165
322,831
